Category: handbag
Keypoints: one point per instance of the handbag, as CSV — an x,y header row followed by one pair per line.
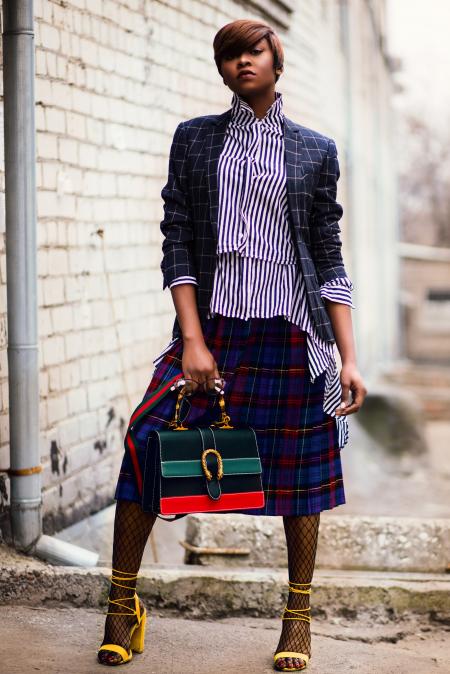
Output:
x,y
201,469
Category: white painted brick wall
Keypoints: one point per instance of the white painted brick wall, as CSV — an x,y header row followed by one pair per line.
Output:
x,y
113,79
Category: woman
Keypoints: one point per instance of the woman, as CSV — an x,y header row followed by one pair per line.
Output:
x,y
252,255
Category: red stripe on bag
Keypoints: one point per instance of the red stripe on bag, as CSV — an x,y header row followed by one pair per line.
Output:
x,y
172,505
134,459
137,414
148,404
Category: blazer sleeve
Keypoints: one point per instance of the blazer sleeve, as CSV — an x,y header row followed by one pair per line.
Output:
x,y
176,226
324,221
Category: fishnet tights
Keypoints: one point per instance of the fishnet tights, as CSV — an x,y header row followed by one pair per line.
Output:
x,y
132,527
301,538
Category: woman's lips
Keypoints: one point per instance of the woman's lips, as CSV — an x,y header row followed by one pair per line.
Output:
x,y
246,76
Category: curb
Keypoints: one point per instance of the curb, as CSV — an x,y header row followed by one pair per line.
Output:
x,y
212,593
350,542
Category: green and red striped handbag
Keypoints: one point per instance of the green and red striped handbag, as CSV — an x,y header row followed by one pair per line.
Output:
x,y
202,469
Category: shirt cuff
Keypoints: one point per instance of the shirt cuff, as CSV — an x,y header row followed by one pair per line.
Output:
x,y
183,279
338,290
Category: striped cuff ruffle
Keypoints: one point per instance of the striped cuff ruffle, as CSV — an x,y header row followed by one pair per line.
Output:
x,y
183,279
338,290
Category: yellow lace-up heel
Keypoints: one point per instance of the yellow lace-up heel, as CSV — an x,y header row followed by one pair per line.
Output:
x,y
137,632
295,614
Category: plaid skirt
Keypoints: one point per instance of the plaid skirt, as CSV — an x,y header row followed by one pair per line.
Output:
x,y
267,386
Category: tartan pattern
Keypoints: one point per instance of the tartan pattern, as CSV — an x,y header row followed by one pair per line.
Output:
x,y
264,364
191,207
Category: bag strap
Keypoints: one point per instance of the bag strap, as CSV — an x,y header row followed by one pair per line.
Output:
x,y
141,410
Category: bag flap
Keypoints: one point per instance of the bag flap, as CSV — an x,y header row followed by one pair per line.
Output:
x,y
181,451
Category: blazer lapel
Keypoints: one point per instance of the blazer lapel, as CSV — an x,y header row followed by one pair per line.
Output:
x,y
214,141
296,158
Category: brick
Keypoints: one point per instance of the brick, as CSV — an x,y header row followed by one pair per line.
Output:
x,y
77,400
94,131
43,384
41,62
56,409
77,261
49,175
54,379
44,323
68,433
62,318
50,38
76,125
53,291
70,375
42,262
46,145
50,500
53,350
52,233
4,428
58,263
87,155
80,456
73,345
50,58
97,394
56,120
81,101
62,67
88,425
46,204
72,289
68,150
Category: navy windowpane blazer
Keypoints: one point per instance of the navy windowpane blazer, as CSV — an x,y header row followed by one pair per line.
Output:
x,y
191,205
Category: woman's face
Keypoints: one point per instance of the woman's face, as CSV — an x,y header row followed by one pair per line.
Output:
x,y
259,61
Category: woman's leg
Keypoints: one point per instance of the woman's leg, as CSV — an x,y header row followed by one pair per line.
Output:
x,y
301,538
132,527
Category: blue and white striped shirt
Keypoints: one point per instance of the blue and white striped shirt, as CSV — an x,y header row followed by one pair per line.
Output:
x,y
257,274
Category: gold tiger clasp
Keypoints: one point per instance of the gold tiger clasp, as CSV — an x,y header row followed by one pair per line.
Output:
x,y
206,470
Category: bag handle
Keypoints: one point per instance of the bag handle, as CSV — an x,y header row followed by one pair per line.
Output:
x,y
177,425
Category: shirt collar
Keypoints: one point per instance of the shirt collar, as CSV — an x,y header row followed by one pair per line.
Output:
x,y
242,113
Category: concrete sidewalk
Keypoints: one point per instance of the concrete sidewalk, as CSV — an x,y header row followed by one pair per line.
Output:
x,y
61,640
208,619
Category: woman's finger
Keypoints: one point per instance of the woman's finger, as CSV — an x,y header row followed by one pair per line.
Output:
x,y
344,396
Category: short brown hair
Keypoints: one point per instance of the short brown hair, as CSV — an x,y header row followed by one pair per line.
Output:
x,y
237,36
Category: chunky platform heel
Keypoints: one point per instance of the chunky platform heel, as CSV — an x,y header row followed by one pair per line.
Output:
x,y
137,630
294,614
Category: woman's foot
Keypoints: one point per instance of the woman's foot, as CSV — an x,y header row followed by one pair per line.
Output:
x,y
117,631
295,634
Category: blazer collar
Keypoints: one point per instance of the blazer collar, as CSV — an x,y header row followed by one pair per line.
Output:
x,y
295,157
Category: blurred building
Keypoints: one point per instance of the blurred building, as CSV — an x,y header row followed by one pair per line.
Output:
x,y
113,79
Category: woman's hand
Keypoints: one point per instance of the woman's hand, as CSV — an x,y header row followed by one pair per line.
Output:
x,y
198,363
351,380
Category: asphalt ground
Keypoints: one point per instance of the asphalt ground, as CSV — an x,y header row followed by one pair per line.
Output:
x,y
60,640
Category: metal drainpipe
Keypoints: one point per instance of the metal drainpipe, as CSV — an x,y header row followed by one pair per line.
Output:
x,y
21,269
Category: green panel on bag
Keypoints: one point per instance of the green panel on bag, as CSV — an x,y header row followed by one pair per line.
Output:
x,y
193,468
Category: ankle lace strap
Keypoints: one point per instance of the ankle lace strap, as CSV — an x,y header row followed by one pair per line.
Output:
x,y
123,576
293,587
298,613
130,576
